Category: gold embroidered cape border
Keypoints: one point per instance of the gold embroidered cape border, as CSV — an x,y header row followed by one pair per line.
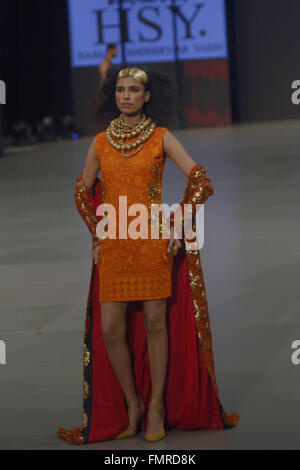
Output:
x,y
86,209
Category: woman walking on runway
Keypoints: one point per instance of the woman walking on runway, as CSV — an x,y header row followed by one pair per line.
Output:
x,y
148,356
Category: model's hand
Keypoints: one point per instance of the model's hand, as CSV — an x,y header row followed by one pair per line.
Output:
x,y
174,243
95,253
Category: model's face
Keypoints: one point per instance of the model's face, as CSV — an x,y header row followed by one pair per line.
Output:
x,y
130,91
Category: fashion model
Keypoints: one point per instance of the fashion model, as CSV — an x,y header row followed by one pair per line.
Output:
x,y
148,359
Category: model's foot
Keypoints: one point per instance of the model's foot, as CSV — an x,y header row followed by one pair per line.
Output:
x,y
156,415
134,410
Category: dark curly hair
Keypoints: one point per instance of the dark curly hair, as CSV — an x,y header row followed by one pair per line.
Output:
x,y
161,108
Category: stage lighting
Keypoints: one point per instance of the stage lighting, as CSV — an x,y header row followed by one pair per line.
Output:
x,y
69,128
22,133
46,130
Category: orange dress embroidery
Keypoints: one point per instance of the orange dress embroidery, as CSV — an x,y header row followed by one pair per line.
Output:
x,y
133,269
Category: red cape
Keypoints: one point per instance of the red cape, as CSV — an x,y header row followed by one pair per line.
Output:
x,y
191,395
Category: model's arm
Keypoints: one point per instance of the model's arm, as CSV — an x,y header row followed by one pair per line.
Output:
x,y
198,187
175,151
83,186
92,167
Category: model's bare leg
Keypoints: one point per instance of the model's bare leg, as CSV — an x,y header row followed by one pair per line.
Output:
x,y
157,340
114,335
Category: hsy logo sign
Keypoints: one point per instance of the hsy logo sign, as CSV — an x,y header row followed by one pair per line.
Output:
x,y
143,10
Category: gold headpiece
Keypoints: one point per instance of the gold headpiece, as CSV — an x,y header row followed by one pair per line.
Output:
x,y
134,72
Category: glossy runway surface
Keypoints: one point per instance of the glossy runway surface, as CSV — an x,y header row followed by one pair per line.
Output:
x,y
250,259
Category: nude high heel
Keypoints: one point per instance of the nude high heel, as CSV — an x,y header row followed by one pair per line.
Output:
x,y
155,435
127,432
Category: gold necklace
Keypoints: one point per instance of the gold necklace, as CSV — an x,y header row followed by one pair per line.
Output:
x,y
126,127
117,129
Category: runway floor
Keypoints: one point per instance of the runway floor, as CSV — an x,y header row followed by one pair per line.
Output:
x,y
250,259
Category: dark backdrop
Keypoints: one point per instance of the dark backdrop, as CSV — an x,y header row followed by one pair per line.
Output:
x,y
265,56
264,41
35,62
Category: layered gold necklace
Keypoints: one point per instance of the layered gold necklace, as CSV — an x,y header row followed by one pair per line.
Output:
x,y
117,129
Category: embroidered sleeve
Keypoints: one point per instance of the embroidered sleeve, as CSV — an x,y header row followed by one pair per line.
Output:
x,y
197,190
86,209
198,187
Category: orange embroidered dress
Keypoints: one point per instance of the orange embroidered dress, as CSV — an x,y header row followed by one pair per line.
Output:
x,y
133,269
